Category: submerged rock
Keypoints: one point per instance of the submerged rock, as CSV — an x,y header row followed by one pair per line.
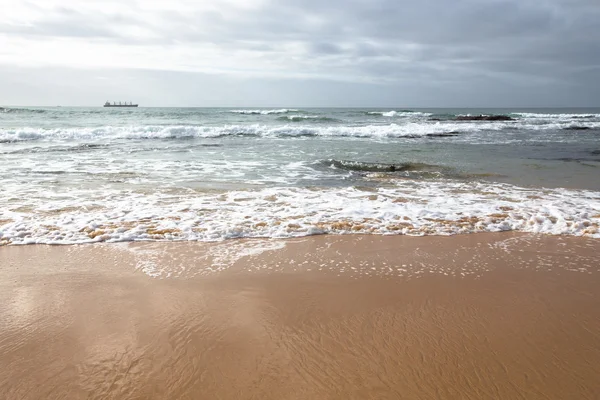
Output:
x,y
577,128
443,134
483,118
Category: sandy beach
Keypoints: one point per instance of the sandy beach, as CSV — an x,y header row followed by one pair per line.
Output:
x,y
484,316
364,200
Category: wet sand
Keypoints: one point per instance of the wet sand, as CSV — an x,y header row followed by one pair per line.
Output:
x,y
484,316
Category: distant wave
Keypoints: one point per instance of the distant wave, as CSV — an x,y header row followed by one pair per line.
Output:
x,y
264,112
9,110
562,116
403,113
302,118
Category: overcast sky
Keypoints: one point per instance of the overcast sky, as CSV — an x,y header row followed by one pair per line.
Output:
x,y
424,53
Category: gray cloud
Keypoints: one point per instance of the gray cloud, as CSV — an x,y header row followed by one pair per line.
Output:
x,y
547,46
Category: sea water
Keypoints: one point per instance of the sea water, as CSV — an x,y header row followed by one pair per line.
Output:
x,y
77,175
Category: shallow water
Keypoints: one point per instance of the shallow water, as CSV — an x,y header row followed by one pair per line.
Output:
x,y
72,175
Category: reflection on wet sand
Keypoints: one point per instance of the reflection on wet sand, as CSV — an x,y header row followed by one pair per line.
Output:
x,y
496,316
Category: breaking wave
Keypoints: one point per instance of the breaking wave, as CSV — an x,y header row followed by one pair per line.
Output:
x,y
437,207
410,130
402,113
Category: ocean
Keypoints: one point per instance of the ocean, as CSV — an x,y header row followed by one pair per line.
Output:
x,y
80,175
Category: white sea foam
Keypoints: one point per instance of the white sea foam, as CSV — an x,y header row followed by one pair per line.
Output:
x,y
108,180
394,113
225,255
396,129
562,116
301,117
413,208
178,132
383,113
155,261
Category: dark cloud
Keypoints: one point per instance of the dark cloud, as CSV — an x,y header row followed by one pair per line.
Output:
x,y
502,35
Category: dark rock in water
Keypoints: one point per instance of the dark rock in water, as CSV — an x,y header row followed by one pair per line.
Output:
x,y
577,128
443,134
483,118
568,159
595,152
359,166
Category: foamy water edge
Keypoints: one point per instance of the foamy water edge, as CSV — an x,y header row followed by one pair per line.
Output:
x,y
410,208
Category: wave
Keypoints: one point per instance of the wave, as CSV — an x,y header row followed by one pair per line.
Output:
x,y
560,116
10,110
302,118
111,132
264,112
403,113
410,130
433,207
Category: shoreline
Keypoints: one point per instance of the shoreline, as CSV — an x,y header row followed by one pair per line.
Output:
x,y
491,315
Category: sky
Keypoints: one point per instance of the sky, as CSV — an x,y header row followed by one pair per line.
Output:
x,y
344,53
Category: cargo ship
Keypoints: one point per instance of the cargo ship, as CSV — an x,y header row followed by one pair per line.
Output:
x,y
119,104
